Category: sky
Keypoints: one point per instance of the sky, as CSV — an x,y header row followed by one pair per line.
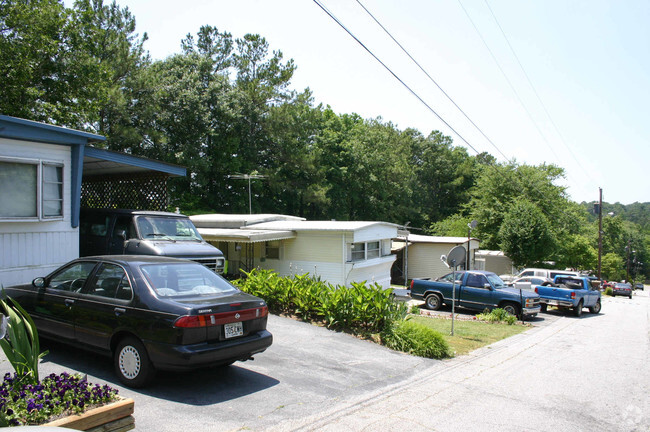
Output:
x,y
543,81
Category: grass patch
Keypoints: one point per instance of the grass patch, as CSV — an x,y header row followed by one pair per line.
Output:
x,y
470,335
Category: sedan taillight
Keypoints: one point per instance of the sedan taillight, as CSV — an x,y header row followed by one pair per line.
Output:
x,y
193,321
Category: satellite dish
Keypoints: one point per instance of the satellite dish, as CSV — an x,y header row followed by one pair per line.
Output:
x,y
456,256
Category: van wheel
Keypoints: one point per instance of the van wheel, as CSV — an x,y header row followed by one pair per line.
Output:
x,y
433,302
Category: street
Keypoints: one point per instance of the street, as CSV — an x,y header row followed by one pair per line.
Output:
x,y
564,374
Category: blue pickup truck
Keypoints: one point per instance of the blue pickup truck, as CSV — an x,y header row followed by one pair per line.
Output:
x,y
570,292
476,290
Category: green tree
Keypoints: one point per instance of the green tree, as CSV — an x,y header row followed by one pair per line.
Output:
x,y
612,267
31,70
525,234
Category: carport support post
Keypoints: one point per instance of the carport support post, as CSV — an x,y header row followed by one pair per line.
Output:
x,y
453,294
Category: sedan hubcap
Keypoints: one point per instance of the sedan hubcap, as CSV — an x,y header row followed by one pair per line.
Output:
x,y
129,362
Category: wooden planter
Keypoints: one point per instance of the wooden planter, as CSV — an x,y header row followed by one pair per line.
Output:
x,y
114,417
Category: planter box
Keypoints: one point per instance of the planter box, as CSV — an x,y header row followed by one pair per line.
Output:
x,y
114,417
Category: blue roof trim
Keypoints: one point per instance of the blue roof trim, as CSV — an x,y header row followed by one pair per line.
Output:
x,y
135,161
28,130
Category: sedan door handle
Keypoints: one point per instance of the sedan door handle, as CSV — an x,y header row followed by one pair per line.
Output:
x,y
119,311
69,302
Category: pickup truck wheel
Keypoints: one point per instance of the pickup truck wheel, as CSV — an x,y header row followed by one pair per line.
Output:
x,y
511,309
543,307
595,308
577,311
433,301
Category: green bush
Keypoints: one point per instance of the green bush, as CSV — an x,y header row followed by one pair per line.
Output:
x,y
497,315
609,291
359,308
415,338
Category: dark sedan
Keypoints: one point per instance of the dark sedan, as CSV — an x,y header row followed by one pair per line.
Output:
x,y
624,289
149,313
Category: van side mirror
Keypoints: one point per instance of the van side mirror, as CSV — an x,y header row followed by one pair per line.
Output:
x,y
121,233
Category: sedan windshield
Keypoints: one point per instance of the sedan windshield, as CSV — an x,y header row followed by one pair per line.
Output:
x,y
183,279
167,228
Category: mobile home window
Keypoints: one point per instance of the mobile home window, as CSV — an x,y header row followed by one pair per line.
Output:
x,y
365,251
273,249
31,190
358,251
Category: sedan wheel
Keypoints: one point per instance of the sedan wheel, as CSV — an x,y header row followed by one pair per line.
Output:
x,y
132,363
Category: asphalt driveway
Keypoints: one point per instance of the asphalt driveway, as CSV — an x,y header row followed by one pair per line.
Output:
x,y
557,376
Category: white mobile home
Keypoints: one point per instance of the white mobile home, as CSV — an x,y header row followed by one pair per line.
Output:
x,y
423,254
338,252
46,174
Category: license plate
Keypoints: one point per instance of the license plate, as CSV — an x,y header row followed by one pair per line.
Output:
x,y
552,302
234,329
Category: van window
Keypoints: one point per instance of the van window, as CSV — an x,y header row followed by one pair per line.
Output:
x,y
527,273
167,228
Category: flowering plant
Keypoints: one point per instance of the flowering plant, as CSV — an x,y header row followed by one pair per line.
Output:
x,y
23,403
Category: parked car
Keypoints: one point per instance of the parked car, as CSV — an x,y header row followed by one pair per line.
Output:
x,y
639,286
624,289
149,313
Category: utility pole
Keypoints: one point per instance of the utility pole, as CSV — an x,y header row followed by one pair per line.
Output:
x,y
600,231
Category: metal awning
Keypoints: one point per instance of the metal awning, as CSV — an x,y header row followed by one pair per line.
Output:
x,y
101,162
244,235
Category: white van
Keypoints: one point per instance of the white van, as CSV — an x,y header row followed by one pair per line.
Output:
x,y
547,273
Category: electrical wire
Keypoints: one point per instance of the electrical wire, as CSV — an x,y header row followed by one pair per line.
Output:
x,y
539,99
432,80
331,15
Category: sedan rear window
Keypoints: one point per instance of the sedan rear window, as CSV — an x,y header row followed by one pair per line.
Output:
x,y
183,279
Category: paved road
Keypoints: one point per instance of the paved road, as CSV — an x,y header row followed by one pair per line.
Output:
x,y
565,373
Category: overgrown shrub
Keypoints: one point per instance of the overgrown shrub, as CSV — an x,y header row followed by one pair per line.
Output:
x,y
497,315
415,338
360,308
609,291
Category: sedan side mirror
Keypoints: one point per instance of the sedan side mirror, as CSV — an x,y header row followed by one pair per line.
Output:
x,y
39,282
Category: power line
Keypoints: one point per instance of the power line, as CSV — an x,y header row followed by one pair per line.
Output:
x,y
508,81
432,80
535,92
331,15
496,167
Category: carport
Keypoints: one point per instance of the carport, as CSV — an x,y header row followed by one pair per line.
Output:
x,y
119,180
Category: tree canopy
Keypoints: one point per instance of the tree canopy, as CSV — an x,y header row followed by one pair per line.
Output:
x,y
224,105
